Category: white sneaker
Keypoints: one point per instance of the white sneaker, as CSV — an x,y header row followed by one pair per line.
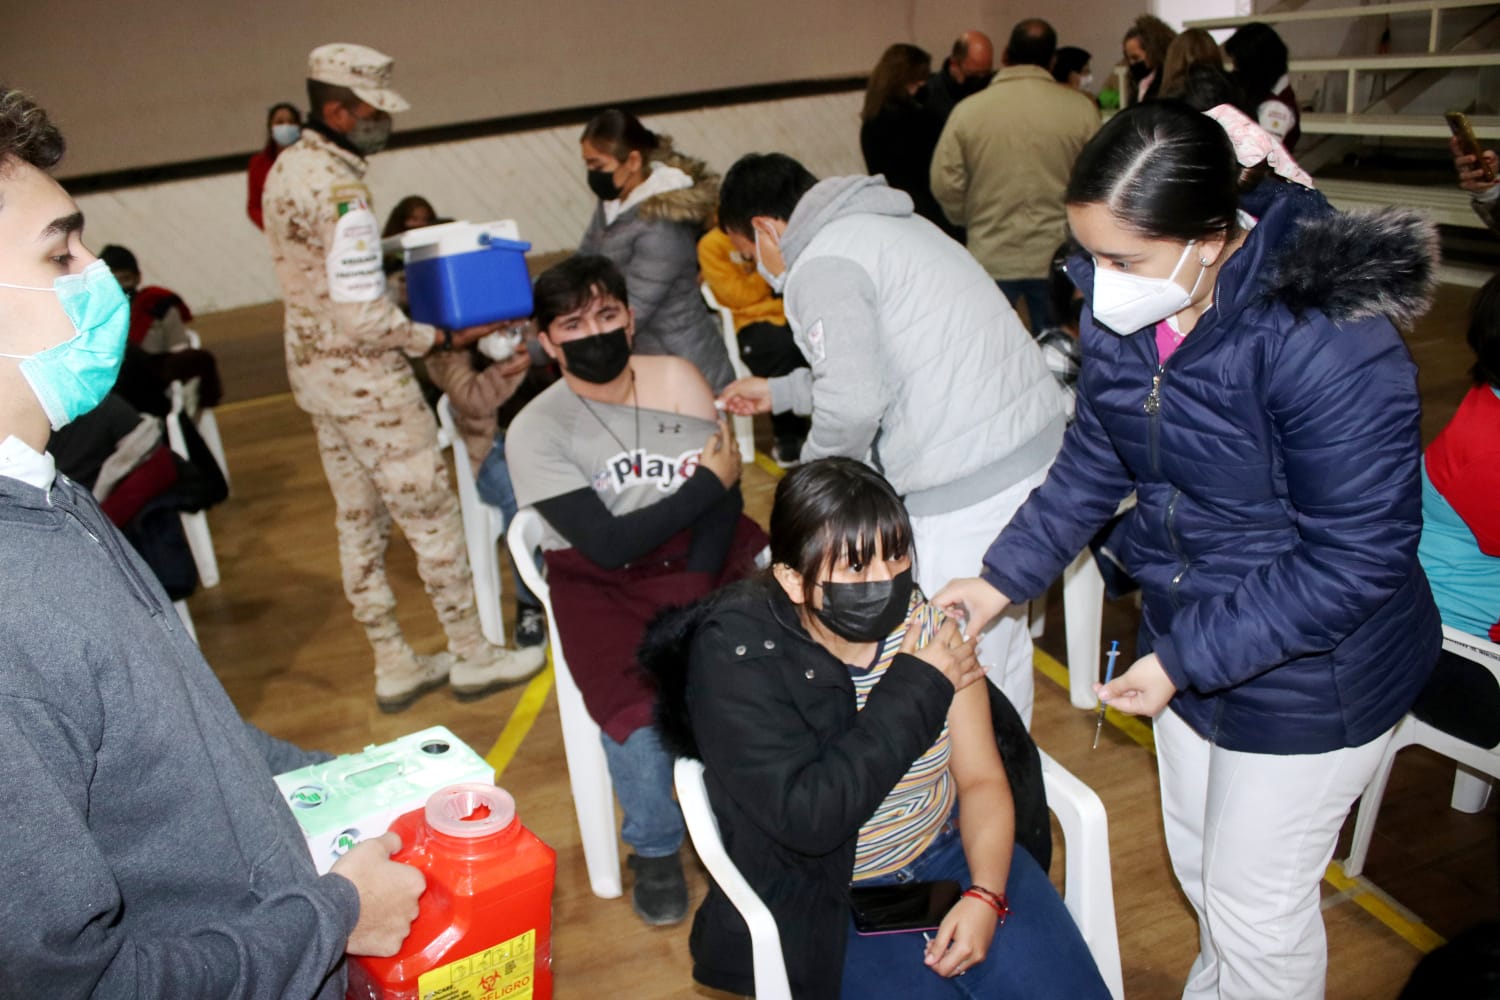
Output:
x,y
397,686
475,677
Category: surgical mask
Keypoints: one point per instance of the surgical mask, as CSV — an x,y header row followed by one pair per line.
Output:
x,y
602,183
1139,71
1127,303
776,281
599,358
286,133
73,377
1086,81
370,135
866,612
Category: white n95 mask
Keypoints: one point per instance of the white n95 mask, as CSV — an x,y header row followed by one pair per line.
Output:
x,y
1128,303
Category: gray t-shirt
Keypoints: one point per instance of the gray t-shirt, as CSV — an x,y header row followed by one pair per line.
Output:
x,y
560,443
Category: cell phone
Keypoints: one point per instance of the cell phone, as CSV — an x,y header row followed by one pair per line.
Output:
x,y
1458,124
894,909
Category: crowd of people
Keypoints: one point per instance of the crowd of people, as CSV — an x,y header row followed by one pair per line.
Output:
x,y
857,680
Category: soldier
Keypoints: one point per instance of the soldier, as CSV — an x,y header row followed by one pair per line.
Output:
x,y
345,352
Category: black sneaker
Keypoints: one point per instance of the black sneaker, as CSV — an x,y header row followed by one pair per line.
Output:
x,y
787,454
660,892
531,626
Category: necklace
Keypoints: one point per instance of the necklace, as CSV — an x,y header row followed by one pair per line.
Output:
x,y
635,456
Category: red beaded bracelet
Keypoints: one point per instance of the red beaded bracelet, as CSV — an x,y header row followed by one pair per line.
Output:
x,y
995,901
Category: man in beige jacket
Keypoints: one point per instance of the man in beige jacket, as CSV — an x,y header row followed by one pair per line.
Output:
x,y
346,350
1003,161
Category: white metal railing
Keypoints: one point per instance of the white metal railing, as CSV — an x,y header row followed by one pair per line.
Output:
x,y
1432,8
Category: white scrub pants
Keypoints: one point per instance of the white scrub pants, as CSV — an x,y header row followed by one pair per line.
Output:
x,y
952,545
1250,837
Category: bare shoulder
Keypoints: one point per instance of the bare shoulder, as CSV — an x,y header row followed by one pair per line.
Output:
x,y
674,385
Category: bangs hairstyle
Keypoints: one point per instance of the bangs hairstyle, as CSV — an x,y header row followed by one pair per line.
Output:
x,y
573,284
836,507
1163,170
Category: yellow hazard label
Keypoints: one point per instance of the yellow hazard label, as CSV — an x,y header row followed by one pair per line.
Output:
x,y
505,971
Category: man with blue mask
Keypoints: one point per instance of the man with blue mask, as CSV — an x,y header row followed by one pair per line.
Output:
x,y
347,346
110,884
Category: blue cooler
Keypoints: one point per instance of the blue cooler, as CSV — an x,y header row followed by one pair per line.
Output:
x,y
465,274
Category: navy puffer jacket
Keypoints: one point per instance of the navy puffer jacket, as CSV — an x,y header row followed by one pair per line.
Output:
x,y
1276,465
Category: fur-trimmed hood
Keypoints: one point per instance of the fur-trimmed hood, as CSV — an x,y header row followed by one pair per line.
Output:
x,y
693,205
1307,255
663,654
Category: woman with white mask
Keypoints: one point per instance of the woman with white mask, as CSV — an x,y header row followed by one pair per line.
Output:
x,y
1244,377
283,127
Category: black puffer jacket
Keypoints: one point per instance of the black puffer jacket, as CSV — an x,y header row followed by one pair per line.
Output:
x,y
793,769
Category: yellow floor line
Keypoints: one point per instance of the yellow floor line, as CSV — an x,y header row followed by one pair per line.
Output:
x,y
1358,891
767,463
1413,932
521,720
245,404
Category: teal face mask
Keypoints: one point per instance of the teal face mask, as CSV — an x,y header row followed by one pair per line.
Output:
x,y
72,378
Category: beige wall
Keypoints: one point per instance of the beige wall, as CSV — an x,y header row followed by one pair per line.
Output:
x,y
162,81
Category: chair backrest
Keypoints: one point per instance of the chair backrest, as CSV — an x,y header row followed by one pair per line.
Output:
x,y
1472,647
765,941
524,537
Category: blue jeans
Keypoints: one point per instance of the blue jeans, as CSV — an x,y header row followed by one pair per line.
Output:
x,y
1038,954
493,485
1036,292
642,775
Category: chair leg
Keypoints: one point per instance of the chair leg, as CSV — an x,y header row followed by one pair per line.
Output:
x,y
1471,792
208,429
1038,613
187,618
1369,802
1083,617
593,794
201,543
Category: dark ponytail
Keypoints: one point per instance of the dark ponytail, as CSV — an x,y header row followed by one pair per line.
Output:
x,y
620,133
1163,170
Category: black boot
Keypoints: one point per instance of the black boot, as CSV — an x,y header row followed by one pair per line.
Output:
x,y
660,893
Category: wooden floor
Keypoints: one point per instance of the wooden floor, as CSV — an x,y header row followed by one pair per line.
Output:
x,y
279,634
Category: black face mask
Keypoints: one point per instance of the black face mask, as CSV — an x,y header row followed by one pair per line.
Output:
x,y
599,358
1139,71
865,612
602,183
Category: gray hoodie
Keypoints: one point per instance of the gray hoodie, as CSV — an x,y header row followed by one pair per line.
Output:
x,y
918,363
145,849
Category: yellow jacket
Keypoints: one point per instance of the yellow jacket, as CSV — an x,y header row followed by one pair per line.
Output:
x,y
736,284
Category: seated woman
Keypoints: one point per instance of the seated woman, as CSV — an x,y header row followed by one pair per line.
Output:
x,y
654,203
844,741
1460,546
638,481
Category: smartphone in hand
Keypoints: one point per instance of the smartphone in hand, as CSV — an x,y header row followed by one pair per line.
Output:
x,y
911,906
1458,124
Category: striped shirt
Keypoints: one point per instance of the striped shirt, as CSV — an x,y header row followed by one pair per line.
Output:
x,y
914,812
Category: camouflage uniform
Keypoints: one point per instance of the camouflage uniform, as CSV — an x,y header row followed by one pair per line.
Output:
x,y
345,347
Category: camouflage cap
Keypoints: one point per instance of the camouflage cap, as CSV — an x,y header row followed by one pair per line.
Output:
x,y
361,69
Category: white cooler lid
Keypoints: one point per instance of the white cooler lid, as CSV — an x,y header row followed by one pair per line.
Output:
x,y
449,238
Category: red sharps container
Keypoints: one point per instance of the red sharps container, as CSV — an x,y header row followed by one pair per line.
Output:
x,y
484,928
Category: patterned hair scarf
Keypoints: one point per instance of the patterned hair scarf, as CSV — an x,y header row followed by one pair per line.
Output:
x,y
1252,144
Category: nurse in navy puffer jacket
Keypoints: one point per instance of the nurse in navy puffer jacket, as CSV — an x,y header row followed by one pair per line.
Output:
x,y
1244,376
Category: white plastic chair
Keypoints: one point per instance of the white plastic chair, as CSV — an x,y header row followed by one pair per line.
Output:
x,y
194,524
744,427
765,940
187,618
588,771
1470,790
203,417
483,526
1087,881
